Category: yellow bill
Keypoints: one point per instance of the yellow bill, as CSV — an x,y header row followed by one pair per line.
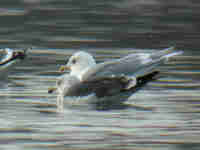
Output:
x,y
63,68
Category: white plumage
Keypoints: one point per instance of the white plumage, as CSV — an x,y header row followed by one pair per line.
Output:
x,y
110,79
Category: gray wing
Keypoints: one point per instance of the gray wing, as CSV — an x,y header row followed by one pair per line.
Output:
x,y
108,86
9,60
8,56
132,65
11,55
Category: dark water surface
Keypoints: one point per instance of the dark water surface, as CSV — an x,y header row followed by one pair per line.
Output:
x,y
163,115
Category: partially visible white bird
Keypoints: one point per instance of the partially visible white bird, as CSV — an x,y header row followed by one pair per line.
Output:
x,y
112,80
9,60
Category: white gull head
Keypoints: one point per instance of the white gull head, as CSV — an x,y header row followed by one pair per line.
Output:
x,y
79,63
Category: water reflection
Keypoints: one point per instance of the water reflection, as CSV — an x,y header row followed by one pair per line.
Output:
x,y
157,116
107,29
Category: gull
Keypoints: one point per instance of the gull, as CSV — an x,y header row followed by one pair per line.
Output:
x,y
9,60
113,80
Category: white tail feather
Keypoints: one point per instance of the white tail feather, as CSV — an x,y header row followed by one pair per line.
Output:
x,y
172,54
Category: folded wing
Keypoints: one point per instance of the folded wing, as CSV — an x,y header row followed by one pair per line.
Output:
x,y
108,86
132,65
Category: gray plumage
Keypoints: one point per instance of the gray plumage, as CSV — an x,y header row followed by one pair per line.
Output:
x,y
102,87
113,77
132,65
9,60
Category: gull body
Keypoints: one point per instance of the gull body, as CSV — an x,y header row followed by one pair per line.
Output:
x,y
110,79
9,60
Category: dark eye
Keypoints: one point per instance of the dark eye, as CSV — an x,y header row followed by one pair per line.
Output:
x,y
73,61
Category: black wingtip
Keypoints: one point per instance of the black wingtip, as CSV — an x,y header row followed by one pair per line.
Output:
x,y
50,91
141,81
20,55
